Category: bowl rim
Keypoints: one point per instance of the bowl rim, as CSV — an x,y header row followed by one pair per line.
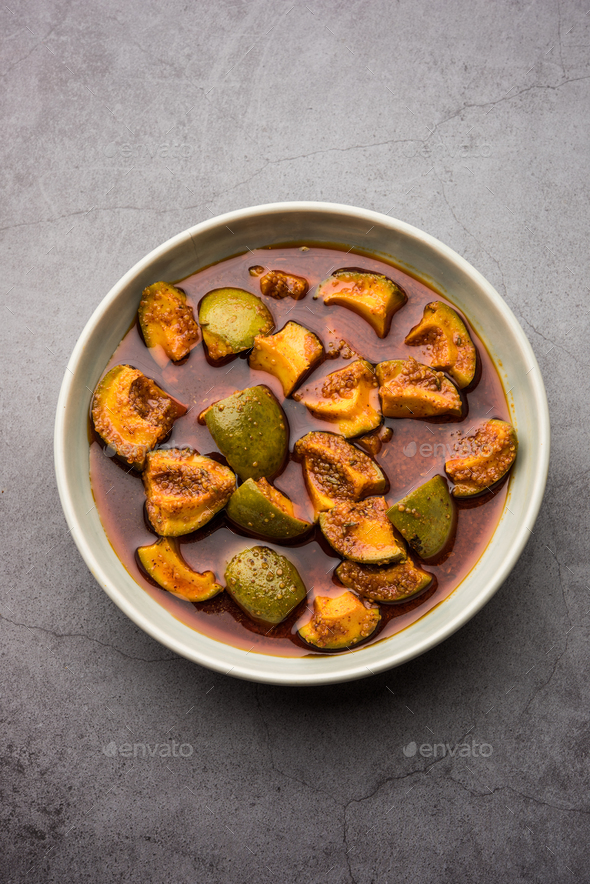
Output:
x,y
355,669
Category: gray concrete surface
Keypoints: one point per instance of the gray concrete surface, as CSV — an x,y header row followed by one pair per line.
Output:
x,y
122,125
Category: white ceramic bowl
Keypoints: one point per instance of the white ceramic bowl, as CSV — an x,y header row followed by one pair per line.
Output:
x,y
296,222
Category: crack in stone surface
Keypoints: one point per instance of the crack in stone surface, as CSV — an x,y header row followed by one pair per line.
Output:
x,y
544,684
554,343
539,86
60,635
523,795
469,233
273,765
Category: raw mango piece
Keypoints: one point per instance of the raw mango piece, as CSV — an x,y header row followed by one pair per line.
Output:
x,y
426,517
262,509
371,295
410,389
334,470
250,429
449,345
265,585
484,458
348,398
132,414
184,490
289,355
167,321
384,583
165,565
339,623
277,284
230,319
361,531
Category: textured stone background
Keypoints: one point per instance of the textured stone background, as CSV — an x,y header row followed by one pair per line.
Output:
x,y
122,125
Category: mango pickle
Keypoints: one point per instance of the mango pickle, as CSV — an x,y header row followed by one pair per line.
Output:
x,y
384,583
289,354
262,509
339,623
265,584
334,470
250,429
132,414
448,342
360,531
372,296
184,490
230,319
348,398
483,459
167,321
426,518
164,564
296,545
277,284
412,390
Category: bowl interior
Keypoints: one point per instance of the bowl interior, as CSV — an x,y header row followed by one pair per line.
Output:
x,y
310,223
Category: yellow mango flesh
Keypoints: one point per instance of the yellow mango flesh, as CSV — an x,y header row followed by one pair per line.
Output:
x,y
449,345
132,414
334,469
184,490
288,355
167,322
373,297
165,565
384,583
339,623
485,458
348,398
412,390
360,531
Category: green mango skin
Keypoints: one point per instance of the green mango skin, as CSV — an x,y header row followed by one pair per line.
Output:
x,y
428,518
251,510
265,585
250,429
230,319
